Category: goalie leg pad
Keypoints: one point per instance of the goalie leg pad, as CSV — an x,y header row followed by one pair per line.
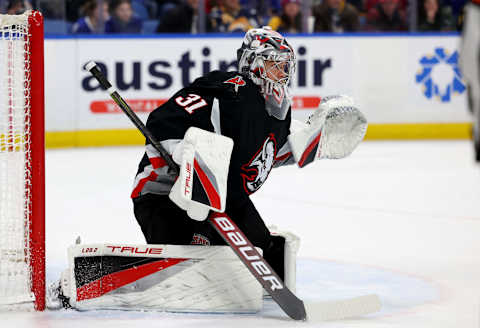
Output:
x,y
161,277
287,245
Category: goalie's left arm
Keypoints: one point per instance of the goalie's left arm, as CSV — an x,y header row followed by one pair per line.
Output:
x,y
333,131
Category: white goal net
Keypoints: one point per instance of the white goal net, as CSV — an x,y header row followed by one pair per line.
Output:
x,y
18,243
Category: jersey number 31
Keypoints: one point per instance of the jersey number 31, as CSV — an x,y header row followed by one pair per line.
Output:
x,y
191,103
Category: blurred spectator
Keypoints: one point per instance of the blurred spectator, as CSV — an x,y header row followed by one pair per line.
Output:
x,y
290,20
335,16
145,9
51,9
265,9
122,18
16,7
73,8
459,14
270,6
164,6
386,16
92,16
358,4
402,4
180,19
456,6
229,16
433,17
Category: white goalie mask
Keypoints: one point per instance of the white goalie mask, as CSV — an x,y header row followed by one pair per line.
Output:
x,y
268,59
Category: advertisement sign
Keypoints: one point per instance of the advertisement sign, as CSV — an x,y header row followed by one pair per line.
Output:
x,y
394,79
149,71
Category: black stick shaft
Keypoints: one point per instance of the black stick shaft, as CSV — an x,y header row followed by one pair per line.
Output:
x,y
95,71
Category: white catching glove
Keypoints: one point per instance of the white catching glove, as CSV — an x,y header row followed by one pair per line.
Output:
x,y
333,131
204,159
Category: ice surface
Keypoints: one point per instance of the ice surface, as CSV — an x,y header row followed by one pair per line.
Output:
x,y
401,219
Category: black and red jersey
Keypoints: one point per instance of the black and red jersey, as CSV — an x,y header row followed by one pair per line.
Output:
x,y
227,103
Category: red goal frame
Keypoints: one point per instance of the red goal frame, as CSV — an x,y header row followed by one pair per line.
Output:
x,y
36,244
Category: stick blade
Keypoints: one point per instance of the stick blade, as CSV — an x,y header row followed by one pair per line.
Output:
x,y
342,309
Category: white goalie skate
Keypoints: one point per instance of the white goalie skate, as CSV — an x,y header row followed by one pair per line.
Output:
x,y
58,294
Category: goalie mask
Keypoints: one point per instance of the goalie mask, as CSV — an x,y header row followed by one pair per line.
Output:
x,y
268,59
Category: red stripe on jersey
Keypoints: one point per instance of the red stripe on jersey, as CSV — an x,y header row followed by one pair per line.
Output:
x,y
212,194
136,191
116,280
157,162
283,157
309,150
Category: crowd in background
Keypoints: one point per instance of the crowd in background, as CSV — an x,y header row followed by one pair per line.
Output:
x,y
231,16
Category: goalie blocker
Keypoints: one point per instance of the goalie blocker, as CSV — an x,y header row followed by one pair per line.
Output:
x,y
163,278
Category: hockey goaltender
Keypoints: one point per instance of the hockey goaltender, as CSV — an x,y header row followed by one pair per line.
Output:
x,y
226,131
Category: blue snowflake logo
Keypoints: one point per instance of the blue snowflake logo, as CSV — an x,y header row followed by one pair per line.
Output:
x,y
433,88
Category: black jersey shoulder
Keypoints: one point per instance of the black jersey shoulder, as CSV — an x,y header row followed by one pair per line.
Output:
x,y
223,84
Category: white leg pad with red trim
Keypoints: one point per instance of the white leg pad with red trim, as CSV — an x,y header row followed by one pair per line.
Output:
x,y
204,159
292,244
162,278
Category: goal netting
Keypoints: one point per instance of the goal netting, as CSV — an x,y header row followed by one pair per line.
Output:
x,y
22,252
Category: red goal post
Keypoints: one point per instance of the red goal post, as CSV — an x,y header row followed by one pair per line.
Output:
x,y
22,162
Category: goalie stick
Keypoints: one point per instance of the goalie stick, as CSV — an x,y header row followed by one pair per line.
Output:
x,y
243,248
